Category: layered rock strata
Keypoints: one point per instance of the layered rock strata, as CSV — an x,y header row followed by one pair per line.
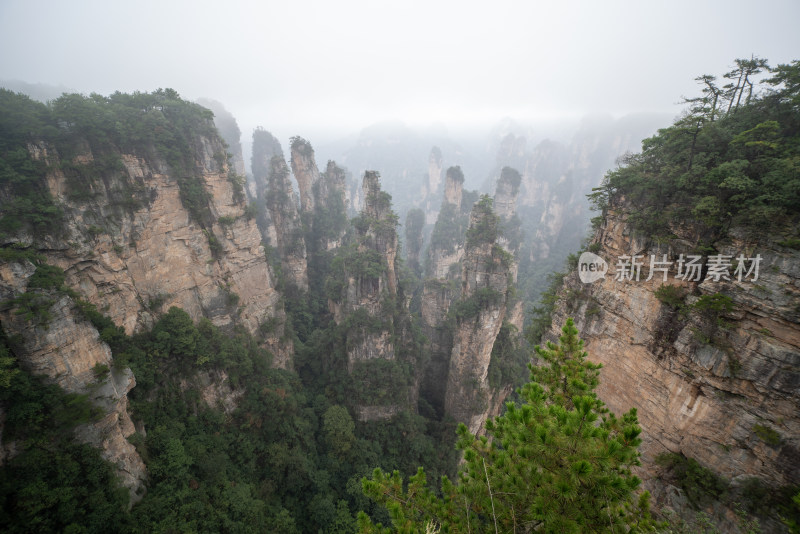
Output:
x,y
282,205
130,246
479,315
305,171
265,147
368,300
721,386
67,350
430,189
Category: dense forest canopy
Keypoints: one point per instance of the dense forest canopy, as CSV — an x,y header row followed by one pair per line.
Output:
x,y
291,456
732,159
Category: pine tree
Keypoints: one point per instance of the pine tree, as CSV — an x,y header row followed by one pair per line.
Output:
x,y
559,462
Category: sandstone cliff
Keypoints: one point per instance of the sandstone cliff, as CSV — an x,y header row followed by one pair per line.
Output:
x,y
366,304
447,240
442,286
135,264
67,350
229,130
479,316
265,147
329,220
144,226
282,205
305,171
719,386
505,193
431,187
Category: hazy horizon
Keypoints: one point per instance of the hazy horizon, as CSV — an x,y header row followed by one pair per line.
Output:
x,y
338,67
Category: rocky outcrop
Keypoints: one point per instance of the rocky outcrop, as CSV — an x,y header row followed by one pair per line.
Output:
x,y
67,350
282,205
305,171
380,233
454,187
333,183
371,275
229,130
442,286
721,386
447,240
133,263
215,389
505,193
479,315
329,221
265,147
139,235
370,309
430,189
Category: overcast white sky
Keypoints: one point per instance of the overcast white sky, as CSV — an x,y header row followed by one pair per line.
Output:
x,y
345,64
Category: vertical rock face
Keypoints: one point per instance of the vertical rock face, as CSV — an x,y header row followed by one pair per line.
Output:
x,y
454,186
415,223
368,303
479,316
333,182
329,219
505,204
447,240
136,262
721,388
430,190
442,286
282,205
305,172
505,193
144,228
265,147
371,275
66,349
229,130
380,235
437,295
434,171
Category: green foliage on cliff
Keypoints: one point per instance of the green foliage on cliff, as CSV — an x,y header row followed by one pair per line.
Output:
x,y
486,227
150,125
729,161
559,462
509,358
471,307
51,484
448,232
45,286
29,207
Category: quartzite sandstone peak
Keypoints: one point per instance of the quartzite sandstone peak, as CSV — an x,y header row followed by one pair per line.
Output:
x,y
485,281
282,206
724,393
133,263
305,172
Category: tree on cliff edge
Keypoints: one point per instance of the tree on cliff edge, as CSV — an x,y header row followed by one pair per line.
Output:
x,y
559,462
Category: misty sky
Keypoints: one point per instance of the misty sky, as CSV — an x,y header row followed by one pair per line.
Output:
x,y
299,65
